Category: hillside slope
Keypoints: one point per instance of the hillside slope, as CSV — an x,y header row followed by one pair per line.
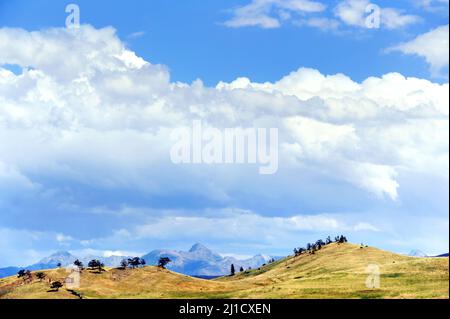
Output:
x,y
147,282
336,271
341,270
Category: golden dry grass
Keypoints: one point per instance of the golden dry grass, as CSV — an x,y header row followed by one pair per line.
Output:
x,y
339,271
336,271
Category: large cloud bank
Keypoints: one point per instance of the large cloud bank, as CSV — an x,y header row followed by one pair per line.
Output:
x,y
85,104
85,110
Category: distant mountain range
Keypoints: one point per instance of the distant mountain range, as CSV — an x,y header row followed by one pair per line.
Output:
x,y
417,253
201,261
198,261
65,259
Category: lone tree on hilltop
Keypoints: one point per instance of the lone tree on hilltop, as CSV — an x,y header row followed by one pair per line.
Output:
x,y
163,261
241,269
232,270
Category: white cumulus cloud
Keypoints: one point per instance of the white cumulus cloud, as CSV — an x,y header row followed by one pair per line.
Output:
x,y
86,109
355,13
103,119
269,14
433,46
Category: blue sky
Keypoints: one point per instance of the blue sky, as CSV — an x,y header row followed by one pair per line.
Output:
x,y
185,34
84,134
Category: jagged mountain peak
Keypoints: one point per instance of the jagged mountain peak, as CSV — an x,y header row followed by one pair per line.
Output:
x,y
265,257
200,260
199,248
417,253
61,253
63,257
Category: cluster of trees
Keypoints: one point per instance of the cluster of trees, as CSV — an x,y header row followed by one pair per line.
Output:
x,y
269,262
340,239
28,276
233,270
134,262
23,273
313,247
241,269
94,264
97,265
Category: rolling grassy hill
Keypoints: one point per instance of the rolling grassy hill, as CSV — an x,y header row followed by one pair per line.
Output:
x,y
336,271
